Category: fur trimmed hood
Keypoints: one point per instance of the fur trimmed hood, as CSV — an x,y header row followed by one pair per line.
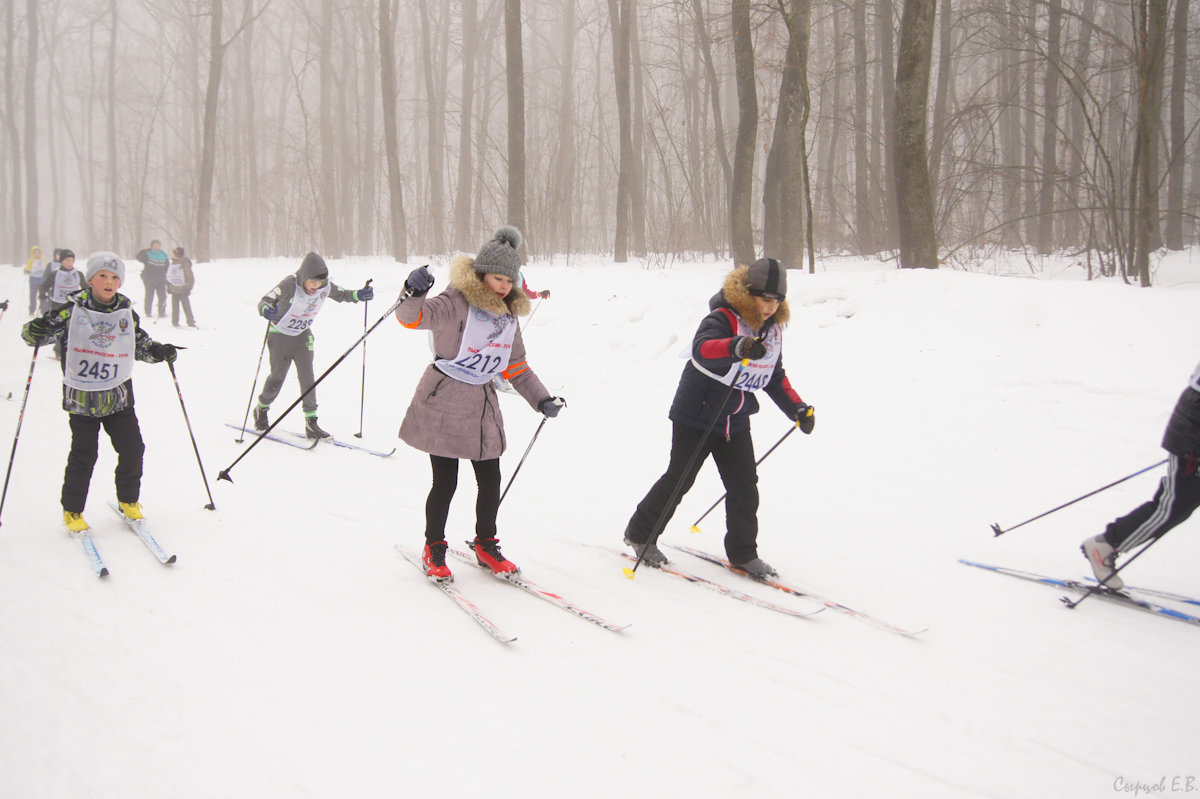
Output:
x,y
737,296
469,283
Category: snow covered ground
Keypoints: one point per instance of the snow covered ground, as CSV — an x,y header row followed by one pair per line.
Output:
x,y
292,653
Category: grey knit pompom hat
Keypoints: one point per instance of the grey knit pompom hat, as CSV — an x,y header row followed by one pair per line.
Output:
x,y
499,256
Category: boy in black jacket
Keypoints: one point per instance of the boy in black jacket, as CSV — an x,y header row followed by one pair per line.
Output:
x,y
1177,497
100,338
737,350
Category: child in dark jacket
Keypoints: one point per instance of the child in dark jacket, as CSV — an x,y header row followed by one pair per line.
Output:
x,y
1177,497
737,350
180,281
100,337
291,308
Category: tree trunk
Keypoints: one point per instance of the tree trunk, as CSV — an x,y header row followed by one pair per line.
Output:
x,y
31,108
865,221
387,82
1173,229
114,215
1050,170
208,154
741,231
515,80
784,181
637,172
1151,41
463,240
914,198
885,31
435,134
327,206
714,93
618,14
15,215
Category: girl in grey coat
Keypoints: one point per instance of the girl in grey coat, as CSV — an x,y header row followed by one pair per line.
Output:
x,y
454,412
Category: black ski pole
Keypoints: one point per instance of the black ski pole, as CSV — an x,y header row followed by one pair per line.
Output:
x,y
224,473
254,385
362,400
179,392
504,493
1101,585
996,527
17,435
792,429
661,521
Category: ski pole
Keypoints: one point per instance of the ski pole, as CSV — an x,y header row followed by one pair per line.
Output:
x,y
224,473
17,435
1100,585
792,429
362,400
996,527
179,392
504,493
529,318
254,385
661,521
4,307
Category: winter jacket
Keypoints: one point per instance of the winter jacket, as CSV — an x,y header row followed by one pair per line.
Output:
x,y
311,268
154,265
698,397
49,280
54,326
35,268
1182,436
448,417
189,279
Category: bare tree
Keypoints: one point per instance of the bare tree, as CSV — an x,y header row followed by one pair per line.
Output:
x,y
1173,229
619,12
741,231
31,106
515,81
1150,35
13,211
914,197
785,182
387,82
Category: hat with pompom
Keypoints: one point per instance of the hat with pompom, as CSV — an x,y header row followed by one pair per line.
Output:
x,y
499,256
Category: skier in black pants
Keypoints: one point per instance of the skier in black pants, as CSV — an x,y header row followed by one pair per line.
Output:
x,y
291,307
1177,497
100,337
743,325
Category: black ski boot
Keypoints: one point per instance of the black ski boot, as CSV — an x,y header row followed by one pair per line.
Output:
x,y
260,418
313,430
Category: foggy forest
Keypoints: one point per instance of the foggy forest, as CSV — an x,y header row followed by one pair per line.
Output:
x,y
930,133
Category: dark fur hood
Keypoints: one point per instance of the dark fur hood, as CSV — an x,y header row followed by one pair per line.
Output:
x,y
469,283
736,296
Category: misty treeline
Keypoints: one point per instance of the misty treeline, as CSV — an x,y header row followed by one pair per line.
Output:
x,y
925,130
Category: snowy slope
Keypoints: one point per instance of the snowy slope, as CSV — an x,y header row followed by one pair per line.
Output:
x,y
292,653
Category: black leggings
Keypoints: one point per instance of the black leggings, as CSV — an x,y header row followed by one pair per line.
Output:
x,y
122,428
445,481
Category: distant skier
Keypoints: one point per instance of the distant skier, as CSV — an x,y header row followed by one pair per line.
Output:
x,y
454,413
35,270
101,337
180,281
154,277
1178,493
62,280
291,308
745,323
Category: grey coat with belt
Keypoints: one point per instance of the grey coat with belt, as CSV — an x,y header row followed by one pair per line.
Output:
x,y
448,417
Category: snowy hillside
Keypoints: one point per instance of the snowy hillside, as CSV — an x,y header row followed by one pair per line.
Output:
x,y
292,653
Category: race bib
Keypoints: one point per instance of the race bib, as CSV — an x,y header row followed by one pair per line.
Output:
x,y
755,374
66,283
100,349
486,346
302,312
175,274
37,269
1195,381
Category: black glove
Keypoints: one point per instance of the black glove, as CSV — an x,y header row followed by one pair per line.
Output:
x,y
268,312
163,352
419,281
4,305
749,347
550,406
365,293
544,295
804,416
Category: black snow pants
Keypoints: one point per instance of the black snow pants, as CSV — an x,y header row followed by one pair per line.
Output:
x,y
126,436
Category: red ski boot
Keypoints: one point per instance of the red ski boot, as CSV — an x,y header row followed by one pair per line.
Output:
x,y
433,559
487,552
